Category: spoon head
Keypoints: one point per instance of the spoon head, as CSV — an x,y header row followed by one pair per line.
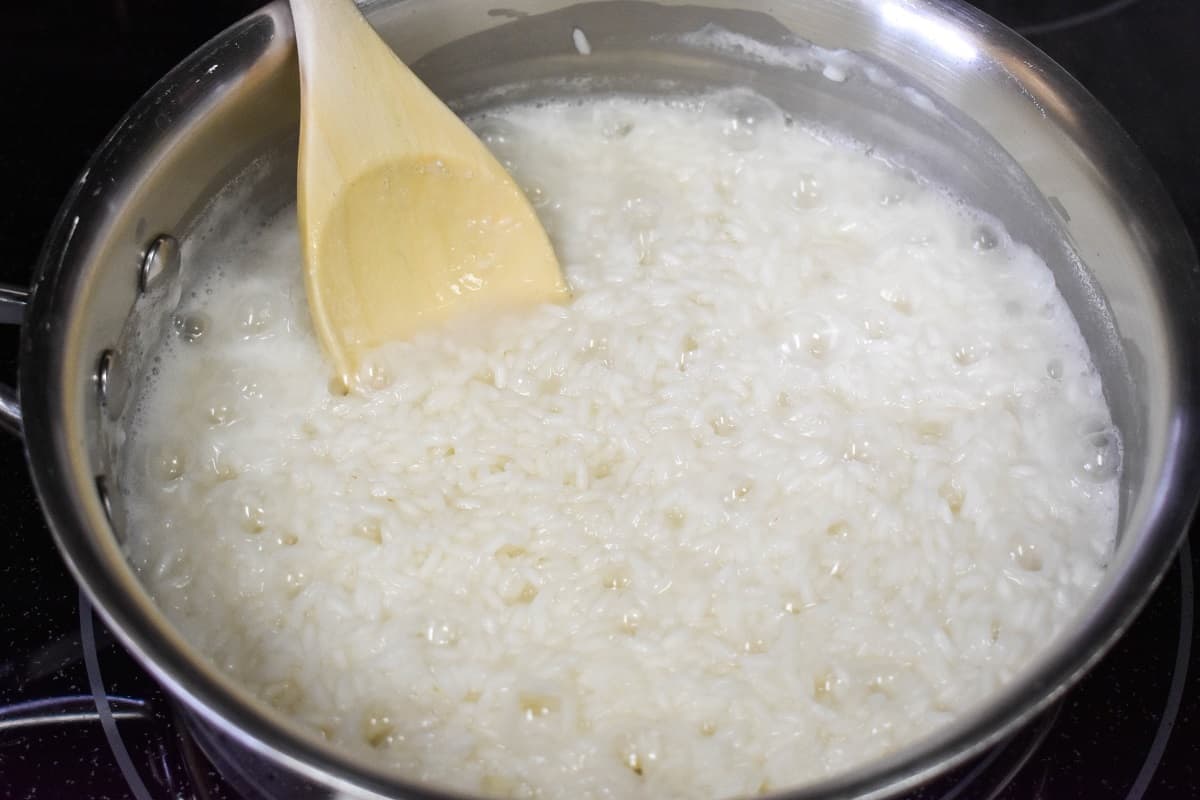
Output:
x,y
414,242
407,220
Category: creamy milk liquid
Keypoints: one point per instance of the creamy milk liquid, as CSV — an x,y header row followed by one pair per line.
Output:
x,y
814,461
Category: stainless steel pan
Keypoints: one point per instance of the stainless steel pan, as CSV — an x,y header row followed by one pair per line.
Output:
x,y
938,88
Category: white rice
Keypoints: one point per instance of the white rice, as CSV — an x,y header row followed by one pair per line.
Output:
x,y
814,461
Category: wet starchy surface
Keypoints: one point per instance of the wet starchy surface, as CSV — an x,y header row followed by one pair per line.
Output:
x,y
814,461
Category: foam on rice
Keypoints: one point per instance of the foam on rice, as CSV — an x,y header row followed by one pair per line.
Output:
x,y
815,460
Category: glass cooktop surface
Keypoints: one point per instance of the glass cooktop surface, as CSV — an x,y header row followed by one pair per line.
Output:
x,y
80,719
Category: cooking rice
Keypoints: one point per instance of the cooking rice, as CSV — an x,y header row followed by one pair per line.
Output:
x,y
815,460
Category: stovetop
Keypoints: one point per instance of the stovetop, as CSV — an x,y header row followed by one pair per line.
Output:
x,y
80,719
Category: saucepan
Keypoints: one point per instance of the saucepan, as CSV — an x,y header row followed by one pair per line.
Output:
x,y
941,89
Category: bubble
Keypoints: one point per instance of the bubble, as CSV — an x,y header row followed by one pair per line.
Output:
x,y
931,430
984,239
190,327
295,582
617,130
889,199
256,317
739,492
723,425
876,329
537,705
823,686
755,647
369,529
806,193
511,551
377,730
818,338
953,494
168,464
819,344
220,466
525,596
499,135
249,389
675,518
493,130
616,579
1027,557
966,355
897,299
1054,368
442,634
745,112
535,193
374,375
1101,457
222,414
792,345
252,516
857,450
614,124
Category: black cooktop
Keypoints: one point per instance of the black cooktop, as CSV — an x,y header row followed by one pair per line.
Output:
x,y
80,719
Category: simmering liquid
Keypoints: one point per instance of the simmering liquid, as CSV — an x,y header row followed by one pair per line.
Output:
x,y
815,460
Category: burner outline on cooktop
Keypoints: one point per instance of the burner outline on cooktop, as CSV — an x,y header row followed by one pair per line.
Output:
x,y
1183,655
1075,20
91,660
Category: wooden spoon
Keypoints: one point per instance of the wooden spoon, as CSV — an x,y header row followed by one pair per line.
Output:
x,y
406,218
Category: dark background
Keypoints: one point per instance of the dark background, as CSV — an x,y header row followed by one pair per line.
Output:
x,y
70,69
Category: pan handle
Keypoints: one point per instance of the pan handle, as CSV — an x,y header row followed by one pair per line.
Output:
x,y
13,300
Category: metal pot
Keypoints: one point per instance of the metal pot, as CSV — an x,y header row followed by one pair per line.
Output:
x,y
942,90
